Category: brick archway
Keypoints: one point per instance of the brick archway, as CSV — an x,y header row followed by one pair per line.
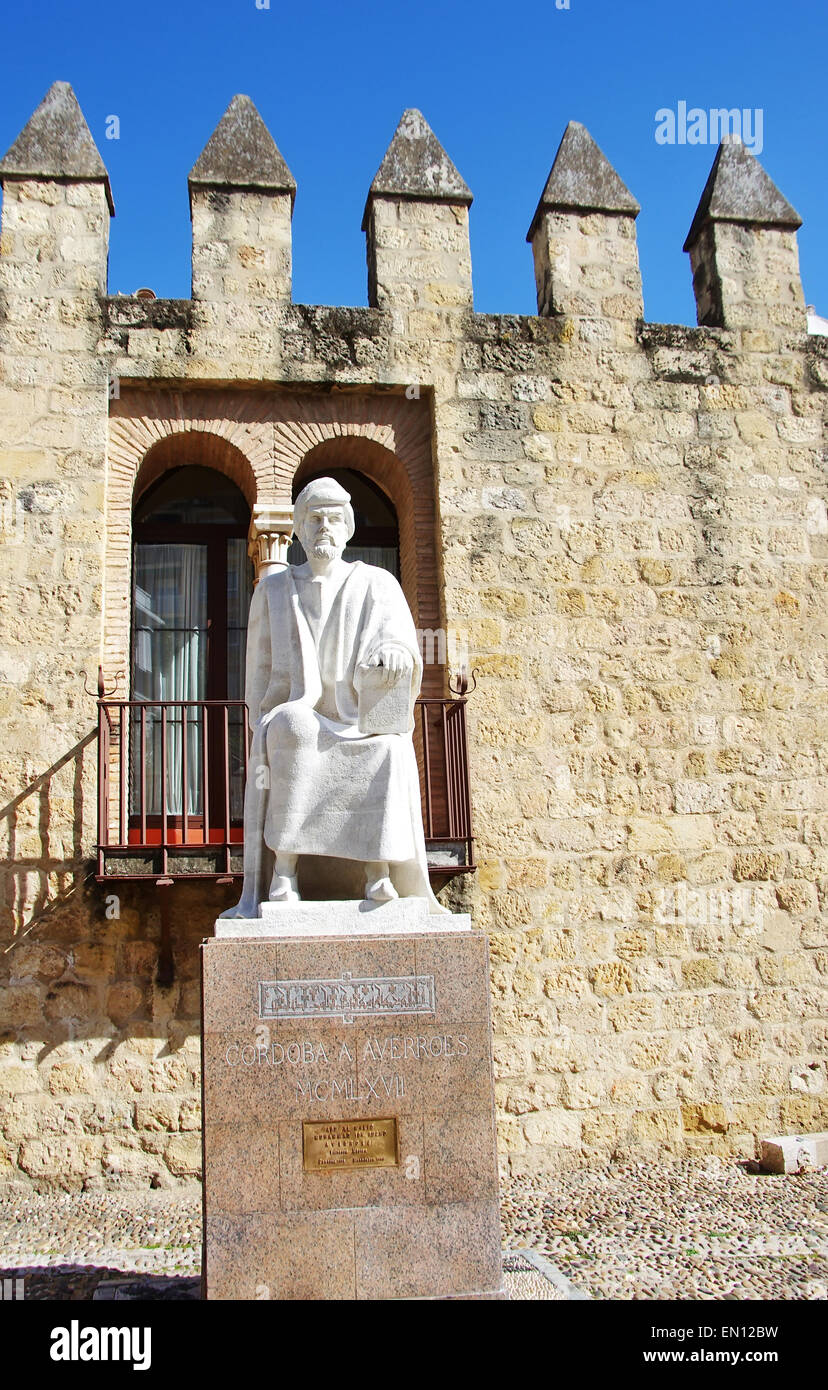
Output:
x,y
263,437
206,450
129,476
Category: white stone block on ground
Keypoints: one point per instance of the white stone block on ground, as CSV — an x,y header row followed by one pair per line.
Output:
x,y
788,1153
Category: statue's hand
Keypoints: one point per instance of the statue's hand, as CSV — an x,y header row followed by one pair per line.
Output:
x,y
395,662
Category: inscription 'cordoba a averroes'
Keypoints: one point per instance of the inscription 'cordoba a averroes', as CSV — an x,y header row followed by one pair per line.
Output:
x,y
347,998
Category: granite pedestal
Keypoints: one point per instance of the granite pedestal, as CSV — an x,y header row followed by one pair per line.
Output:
x,y
349,1142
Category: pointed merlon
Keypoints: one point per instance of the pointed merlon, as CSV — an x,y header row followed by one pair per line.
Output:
x,y
241,153
57,144
415,165
583,180
739,190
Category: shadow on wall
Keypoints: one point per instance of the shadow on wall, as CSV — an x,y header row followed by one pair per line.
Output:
x,y
85,971
41,835
99,1062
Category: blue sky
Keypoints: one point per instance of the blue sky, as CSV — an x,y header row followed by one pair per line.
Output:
x,y
497,83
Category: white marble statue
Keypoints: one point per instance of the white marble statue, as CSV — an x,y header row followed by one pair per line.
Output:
x,y
333,670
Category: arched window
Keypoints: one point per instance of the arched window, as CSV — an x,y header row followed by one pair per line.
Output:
x,y
192,582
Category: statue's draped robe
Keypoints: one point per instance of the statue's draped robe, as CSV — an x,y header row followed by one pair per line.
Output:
x,y
315,784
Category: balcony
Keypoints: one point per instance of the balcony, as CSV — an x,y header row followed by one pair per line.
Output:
x,y
171,780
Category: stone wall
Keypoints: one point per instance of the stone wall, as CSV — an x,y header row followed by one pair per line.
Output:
x,y
53,408
640,558
631,534
100,1064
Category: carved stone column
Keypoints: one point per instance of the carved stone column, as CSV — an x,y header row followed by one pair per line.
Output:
x,y
271,527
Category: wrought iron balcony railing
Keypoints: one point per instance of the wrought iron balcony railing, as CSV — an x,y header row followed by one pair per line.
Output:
x,y
171,777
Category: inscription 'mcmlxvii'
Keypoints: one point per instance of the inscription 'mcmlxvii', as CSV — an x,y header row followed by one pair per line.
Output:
x,y
347,998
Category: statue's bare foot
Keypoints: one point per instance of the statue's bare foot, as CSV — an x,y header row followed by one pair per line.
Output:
x,y
380,890
283,889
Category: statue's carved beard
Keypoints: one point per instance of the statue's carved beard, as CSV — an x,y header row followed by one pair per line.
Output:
x,y
325,550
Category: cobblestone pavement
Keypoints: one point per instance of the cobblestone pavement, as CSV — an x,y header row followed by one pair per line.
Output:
x,y
692,1230
68,1245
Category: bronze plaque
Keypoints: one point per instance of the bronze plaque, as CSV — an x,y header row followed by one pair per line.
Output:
x,y
331,1145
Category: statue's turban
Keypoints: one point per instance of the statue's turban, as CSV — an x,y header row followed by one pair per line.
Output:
x,y
322,492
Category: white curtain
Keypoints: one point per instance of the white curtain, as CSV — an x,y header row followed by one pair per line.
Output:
x,y
170,627
239,592
384,557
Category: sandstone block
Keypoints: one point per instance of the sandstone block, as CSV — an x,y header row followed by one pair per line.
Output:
x,y
182,1155
663,1126
611,978
699,1119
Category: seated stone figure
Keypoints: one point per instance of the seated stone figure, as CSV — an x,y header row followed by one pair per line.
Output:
x,y
332,662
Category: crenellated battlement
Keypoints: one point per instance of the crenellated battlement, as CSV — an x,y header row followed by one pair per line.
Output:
x,y
742,240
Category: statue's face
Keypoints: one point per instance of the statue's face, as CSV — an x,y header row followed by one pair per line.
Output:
x,y
324,532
